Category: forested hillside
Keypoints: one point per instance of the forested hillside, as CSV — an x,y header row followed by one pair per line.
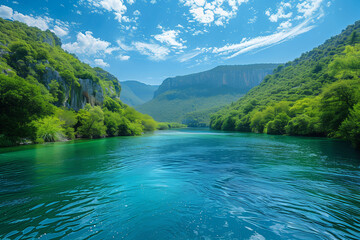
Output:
x,y
317,94
47,94
192,98
135,93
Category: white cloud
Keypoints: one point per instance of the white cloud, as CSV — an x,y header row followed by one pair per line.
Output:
x,y
169,38
60,28
40,22
136,13
307,12
60,31
123,46
247,45
188,56
6,12
101,63
116,6
218,12
308,7
285,25
88,45
252,20
154,51
202,16
123,57
280,12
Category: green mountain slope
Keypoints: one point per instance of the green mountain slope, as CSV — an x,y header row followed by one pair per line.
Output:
x,y
135,93
202,93
313,95
39,81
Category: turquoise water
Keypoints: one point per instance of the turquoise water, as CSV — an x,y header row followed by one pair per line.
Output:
x,y
186,184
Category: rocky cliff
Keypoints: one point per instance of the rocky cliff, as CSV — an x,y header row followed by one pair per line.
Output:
x,y
76,96
237,78
37,55
192,98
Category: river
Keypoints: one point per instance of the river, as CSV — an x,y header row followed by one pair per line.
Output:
x,y
182,184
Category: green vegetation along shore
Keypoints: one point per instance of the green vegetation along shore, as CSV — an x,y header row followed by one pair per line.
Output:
x,y
47,94
317,94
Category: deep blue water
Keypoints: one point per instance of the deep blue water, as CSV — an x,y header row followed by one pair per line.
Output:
x,y
185,184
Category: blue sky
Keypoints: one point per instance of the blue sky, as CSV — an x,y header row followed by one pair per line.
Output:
x,y
149,40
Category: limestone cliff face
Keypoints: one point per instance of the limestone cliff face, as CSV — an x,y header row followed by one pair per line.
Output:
x,y
88,92
76,97
240,78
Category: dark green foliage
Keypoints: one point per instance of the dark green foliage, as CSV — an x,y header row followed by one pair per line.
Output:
x,y
91,120
20,103
318,91
32,52
49,129
166,126
350,128
29,57
277,126
336,102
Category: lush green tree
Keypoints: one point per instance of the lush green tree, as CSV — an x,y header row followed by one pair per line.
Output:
x,y
163,126
350,128
68,117
337,101
49,129
260,119
112,122
91,121
148,123
277,126
55,90
21,102
112,105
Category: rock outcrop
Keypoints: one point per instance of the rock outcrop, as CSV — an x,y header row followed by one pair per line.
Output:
x,y
76,96
240,78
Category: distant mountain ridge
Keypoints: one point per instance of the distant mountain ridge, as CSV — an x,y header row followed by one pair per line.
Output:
x,y
135,93
204,92
226,76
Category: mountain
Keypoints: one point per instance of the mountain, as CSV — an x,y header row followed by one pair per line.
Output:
x,y
135,93
317,94
204,92
47,94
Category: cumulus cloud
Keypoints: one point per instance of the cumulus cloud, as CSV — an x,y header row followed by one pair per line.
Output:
x,y
308,7
281,12
123,57
88,45
6,12
40,22
218,12
60,31
58,27
170,38
101,63
116,6
152,50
